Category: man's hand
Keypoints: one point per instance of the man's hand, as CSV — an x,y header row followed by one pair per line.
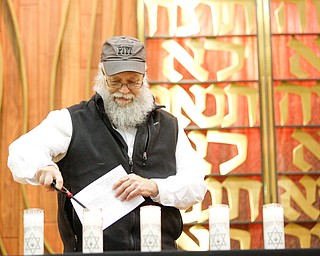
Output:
x,y
133,185
47,174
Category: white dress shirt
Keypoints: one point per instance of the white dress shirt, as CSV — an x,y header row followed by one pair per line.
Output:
x,y
48,143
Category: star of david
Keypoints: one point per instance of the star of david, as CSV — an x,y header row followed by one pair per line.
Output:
x,y
32,243
275,237
150,240
218,239
91,242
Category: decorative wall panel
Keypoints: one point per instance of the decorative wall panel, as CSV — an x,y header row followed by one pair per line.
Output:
x,y
246,91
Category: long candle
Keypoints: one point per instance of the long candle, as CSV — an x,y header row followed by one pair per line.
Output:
x,y
150,228
219,227
273,226
33,221
92,232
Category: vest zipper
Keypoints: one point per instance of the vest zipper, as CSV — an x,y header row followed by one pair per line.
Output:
x,y
131,164
144,155
76,243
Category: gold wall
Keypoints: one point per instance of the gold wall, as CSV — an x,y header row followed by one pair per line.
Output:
x,y
243,78
241,75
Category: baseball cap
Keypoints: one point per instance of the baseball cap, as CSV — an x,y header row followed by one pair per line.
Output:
x,y
123,53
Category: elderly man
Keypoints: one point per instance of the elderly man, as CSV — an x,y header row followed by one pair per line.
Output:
x,y
120,125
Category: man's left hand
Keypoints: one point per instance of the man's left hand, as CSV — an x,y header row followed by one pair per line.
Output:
x,y
133,185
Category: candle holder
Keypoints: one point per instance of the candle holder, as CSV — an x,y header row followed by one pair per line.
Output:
x,y
33,222
273,226
150,228
92,232
219,227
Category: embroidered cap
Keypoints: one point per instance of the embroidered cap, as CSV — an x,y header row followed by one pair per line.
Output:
x,y
123,53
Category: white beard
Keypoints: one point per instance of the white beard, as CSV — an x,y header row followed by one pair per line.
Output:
x,y
131,115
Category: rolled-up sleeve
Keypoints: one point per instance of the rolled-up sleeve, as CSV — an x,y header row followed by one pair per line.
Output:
x,y
39,147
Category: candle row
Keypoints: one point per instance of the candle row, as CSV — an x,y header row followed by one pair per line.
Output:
x,y
273,227
150,226
92,231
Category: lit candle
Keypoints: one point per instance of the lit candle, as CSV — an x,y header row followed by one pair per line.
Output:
x,y
33,221
219,227
150,228
273,226
92,232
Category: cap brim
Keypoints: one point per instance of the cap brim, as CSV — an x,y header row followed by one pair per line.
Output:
x,y
115,67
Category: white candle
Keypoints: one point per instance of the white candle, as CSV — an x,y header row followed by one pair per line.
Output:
x,y
92,232
219,227
33,221
150,228
273,226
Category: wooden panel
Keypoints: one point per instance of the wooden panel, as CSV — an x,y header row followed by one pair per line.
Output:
x,y
11,126
39,24
12,246
49,16
53,237
29,35
70,58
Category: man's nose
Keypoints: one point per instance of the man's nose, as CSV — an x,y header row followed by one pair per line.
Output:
x,y
124,89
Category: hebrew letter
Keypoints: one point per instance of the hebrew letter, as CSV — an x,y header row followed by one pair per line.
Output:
x,y
193,65
239,140
293,193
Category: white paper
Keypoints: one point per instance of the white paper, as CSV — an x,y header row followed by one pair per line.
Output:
x,y
100,194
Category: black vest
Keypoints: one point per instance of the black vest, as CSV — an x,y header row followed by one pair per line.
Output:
x,y
97,148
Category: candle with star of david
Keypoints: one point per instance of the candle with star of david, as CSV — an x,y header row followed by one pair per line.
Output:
x,y
33,224
273,226
219,227
92,231
150,228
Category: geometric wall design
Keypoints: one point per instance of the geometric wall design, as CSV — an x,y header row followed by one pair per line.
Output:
x,y
243,78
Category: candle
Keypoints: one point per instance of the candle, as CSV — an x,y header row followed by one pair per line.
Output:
x,y
219,227
150,228
273,226
33,221
92,232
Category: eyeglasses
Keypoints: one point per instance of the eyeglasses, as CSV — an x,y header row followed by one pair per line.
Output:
x,y
118,85
130,85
